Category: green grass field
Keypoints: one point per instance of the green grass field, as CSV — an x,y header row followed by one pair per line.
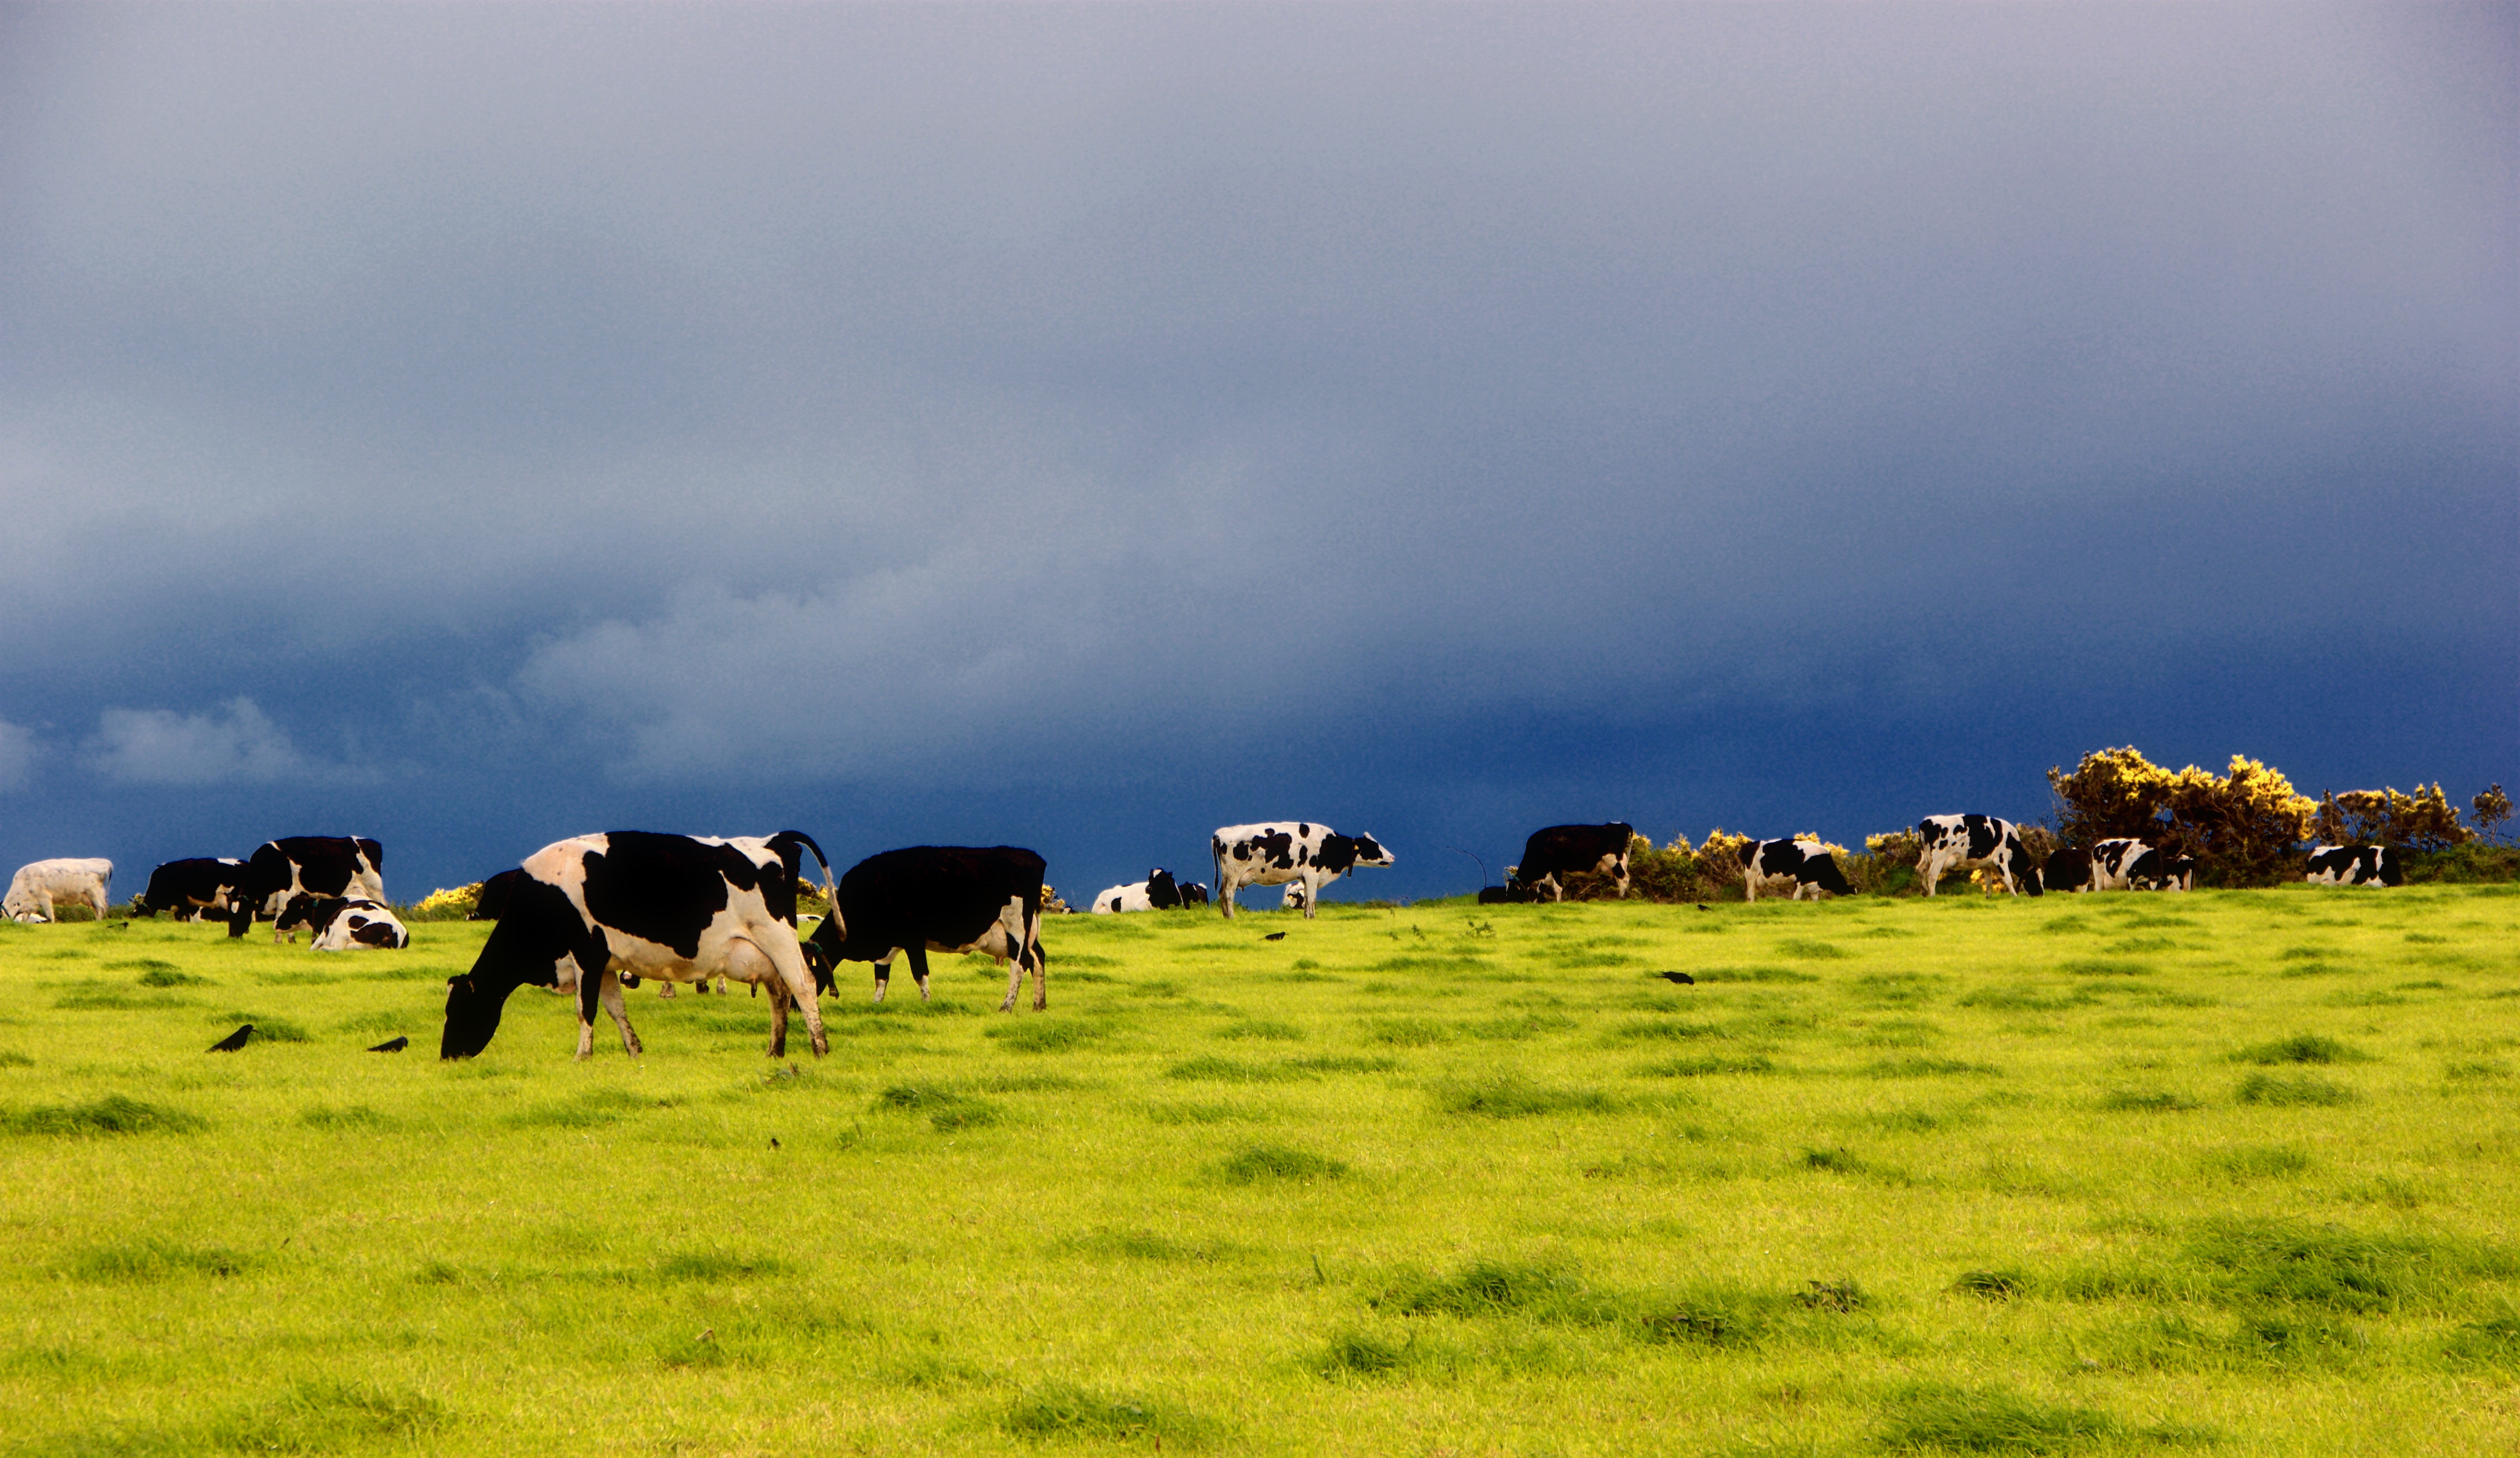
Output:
x,y
2230,1172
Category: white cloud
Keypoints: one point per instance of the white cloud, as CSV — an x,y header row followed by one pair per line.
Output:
x,y
237,744
17,755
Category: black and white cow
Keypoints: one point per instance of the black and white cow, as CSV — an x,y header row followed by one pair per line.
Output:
x,y
2177,873
1955,842
492,899
1273,853
2354,865
338,923
592,908
1194,893
2068,869
305,865
190,887
1808,864
2126,864
36,891
946,899
1560,849
1157,892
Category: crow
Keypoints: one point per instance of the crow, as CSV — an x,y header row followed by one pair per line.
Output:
x,y
1274,936
393,1045
1678,978
233,1041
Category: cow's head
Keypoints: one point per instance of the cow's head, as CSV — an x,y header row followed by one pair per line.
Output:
x,y
1370,851
474,1003
540,928
1162,893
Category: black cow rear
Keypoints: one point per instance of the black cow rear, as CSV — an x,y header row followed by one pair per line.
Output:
x,y
189,888
946,898
1560,851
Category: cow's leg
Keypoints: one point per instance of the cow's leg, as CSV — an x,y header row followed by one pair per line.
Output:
x,y
1226,887
1931,868
590,994
917,951
791,981
612,1004
883,973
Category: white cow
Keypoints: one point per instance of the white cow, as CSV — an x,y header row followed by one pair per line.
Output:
x,y
1275,854
39,886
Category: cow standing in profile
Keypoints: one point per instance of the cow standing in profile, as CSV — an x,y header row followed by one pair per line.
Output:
x,y
946,899
2354,865
40,888
1954,842
592,908
1572,850
191,888
1806,864
1275,854
317,866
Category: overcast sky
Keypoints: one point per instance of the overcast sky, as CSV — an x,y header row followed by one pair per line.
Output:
x,y
1083,427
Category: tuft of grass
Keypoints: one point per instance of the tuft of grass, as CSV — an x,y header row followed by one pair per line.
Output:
x,y
2301,1047
1752,974
154,1260
1263,1029
1665,1029
1507,1095
2094,967
1355,1353
2149,1101
2255,1161
947,1110
1937,1417
2296,1091
1047,1034
115,1113
266,1029
1142,1245
1064,1410
1927,1067
1214,1069
322,1417
1256,1163
1809,949
1707,1066
1411,1032
720,1267
2001,1285
10,1058
352,1117
2493,1341
2252,1261
165,974
1482,1288
2022,998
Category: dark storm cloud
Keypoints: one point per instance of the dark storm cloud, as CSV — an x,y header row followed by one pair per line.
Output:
x,y
676,400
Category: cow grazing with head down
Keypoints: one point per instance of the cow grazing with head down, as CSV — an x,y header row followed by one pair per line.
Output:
x,y
190,887
2125,864
316,866
946,899
1157,892
1954,842
1579,849
592,908
2354,865
1277,853
40,888
2068,869
339,923
1806,864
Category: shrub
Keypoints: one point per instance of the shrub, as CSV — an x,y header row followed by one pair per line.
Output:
x,y
2241,824
2425,820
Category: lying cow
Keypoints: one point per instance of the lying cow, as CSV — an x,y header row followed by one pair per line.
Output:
x,y
318,866
1194,893
591,908
1157,892
2068,869
1505,895
188,888
1808,864
40,888
2343,865
946,899
1581,849
338,923
1958,842
1276,853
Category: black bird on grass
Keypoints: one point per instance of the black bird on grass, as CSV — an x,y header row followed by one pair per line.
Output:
x,y
394,1044
1274,936
1678,978
233,1041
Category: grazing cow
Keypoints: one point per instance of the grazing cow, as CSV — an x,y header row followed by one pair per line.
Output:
x,y
2177,873
2123,864
1194,893
1157,892
946,899
2068,869
492,898
1276,853
1592,849
1954,842
190,887
339,923
1806,863
1292,898
305,865
592,908
40,887
2351,865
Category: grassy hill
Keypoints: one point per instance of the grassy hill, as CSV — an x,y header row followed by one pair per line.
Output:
x,y
2231,1172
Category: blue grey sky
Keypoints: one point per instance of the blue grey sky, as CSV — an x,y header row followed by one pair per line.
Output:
x,y
1082,427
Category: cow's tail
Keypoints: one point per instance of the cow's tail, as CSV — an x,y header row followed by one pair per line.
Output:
x,y
1216,860
786,843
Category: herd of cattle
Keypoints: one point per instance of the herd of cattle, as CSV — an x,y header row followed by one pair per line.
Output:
x,y
592,914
